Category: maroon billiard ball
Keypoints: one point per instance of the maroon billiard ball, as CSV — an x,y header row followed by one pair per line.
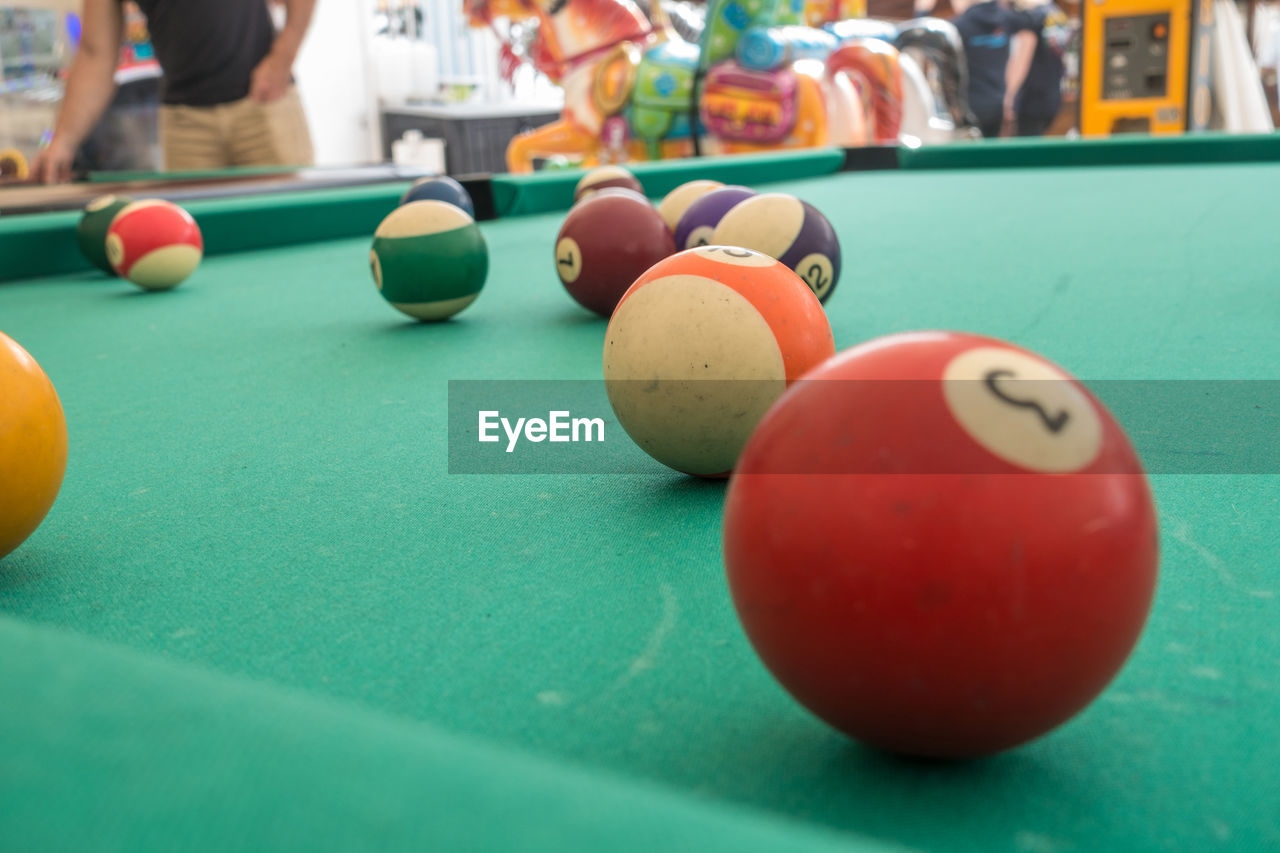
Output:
x,y
941,544
608,191
607,241
603,177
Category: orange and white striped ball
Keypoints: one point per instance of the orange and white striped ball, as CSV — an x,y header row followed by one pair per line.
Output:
x,y
155,244
702,345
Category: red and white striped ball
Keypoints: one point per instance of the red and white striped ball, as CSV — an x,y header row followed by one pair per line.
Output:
x,y
155,244
700,347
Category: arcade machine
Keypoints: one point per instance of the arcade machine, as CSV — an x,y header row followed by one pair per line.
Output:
x,y
1145,66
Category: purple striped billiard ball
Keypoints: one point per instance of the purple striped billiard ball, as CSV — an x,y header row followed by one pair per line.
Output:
x,y
789,230
701,217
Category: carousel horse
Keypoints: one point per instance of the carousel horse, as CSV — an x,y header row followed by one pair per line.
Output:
x,y
929,106
935,78
935,45
931,59
634,90
587,47
768,81
819,12
685,18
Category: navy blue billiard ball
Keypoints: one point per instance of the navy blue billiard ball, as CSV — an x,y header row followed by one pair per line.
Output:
x,y
441,188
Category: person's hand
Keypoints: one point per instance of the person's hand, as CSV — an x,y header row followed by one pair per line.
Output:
x,y
53,164
1009,114
270,80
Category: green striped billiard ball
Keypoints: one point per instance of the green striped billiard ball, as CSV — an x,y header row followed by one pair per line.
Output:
x,y
429,259
91,233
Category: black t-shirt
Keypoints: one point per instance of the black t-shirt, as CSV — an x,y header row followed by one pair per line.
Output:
x,y
984,29
208,48
1041,93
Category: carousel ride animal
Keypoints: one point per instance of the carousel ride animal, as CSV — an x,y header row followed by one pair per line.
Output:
x,y
756,79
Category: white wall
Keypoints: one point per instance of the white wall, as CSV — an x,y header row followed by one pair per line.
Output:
x,y
343,69
334,80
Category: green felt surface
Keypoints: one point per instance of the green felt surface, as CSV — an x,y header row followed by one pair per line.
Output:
x,y
109,750
257,538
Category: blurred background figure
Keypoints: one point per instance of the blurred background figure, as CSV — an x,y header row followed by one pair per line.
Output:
x,y
1033,81
985,29
228,97
125,136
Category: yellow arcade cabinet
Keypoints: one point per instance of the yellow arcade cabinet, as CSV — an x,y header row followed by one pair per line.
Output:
x,y
1145,66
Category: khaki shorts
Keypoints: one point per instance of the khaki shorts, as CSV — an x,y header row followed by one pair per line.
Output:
x,y
241,133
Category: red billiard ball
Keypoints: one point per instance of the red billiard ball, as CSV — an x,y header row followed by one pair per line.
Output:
x,y
700,347
941,544
793,231
603,177
155,244
607,240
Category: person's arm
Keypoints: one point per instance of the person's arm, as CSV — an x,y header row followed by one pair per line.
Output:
x,y
1022,48
272,75
90,85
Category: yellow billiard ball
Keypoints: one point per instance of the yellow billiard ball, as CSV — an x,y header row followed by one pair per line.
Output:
x,y
33,444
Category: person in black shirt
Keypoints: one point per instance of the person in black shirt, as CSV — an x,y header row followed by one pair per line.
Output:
x,y
228,97
985,27
1033,86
